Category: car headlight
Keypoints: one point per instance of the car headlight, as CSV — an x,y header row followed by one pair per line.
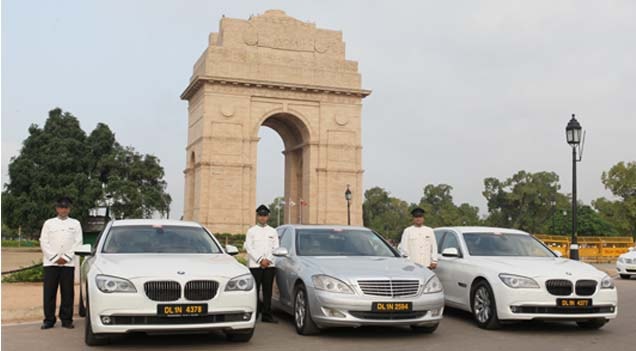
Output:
x,y
433,285
331,284
243,282
607,282
518,281
110,284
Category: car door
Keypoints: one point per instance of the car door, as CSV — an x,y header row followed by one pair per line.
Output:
x,y
284,272
449,269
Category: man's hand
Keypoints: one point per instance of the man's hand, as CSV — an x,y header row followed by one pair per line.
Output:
x,y
265,263
60,261
433,265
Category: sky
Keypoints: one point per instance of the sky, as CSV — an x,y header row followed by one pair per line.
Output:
x,y
462,90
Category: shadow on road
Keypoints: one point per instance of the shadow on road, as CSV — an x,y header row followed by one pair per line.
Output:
x,y
530,327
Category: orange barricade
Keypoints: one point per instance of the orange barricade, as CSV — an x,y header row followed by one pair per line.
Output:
x,y
591,248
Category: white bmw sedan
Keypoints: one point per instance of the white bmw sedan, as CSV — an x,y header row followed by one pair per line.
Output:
x,y
160,276
505,274
626,264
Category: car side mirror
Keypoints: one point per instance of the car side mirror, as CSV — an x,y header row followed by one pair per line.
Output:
x,y
84,250
450,252
231,250
281,252
557,253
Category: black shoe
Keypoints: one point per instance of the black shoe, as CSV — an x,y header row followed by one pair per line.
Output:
x,y
268,319
46,325
69,325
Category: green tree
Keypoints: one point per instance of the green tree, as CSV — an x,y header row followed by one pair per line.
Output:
x,y
135,184
525,201
59,159
589,222
277,208
385,214
621,213
442,211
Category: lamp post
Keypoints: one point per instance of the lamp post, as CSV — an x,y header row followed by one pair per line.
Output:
x,y
573,137
348,198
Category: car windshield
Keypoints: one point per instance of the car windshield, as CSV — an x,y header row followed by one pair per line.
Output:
x,y
341,242
505,244
159,239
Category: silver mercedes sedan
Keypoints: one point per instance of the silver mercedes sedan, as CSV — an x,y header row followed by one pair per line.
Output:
x,y
339,276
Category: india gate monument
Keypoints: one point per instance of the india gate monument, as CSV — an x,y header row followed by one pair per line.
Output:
x,y
275,71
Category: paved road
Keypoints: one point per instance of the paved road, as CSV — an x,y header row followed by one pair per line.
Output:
x,y
457,332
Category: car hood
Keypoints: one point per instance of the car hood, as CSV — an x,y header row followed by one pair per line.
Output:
x,y
133,266
366,267
630,254
540,267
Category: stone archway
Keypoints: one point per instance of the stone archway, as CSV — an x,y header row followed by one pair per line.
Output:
x,y
273,70
296,140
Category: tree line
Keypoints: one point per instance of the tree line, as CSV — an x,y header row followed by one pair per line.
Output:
x,y
528,201
61,159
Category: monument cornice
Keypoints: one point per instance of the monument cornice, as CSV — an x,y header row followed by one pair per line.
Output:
x,y
198,81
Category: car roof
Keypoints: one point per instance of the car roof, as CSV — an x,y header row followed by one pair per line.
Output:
x,y
146,222
478,229
324,226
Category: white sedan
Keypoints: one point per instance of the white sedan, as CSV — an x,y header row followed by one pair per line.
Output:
x,y
505,274
161,276
626,264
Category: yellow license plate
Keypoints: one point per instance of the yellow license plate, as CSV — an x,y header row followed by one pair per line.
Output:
x,y
574,302
392,307
179,310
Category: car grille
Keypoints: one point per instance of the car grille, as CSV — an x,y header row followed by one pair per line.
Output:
x,y
389,288
559,287
562,310
164,290
200,290
387,315
156,320
585,287
631,270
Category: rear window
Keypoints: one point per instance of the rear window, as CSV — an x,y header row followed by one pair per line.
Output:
x,y
159,239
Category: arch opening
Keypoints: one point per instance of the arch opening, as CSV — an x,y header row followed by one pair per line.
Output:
x,y
295,137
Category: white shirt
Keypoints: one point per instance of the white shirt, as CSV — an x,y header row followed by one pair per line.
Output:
x,y
419,244
260,242
58,239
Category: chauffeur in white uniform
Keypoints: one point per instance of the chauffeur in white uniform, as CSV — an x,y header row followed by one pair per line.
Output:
x,y
418,241
58,240
260,242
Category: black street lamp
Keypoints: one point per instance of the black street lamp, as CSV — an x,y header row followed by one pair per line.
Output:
x,y
348,197
573,133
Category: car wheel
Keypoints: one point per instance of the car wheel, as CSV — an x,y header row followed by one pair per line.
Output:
x,y
242,336
596,323
625,276
484,307
425,329
302,314
90,338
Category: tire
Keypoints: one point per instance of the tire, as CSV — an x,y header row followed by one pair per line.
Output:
x,y
302,313
90,338
239,336
424,329
483,306
625,276
592,324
